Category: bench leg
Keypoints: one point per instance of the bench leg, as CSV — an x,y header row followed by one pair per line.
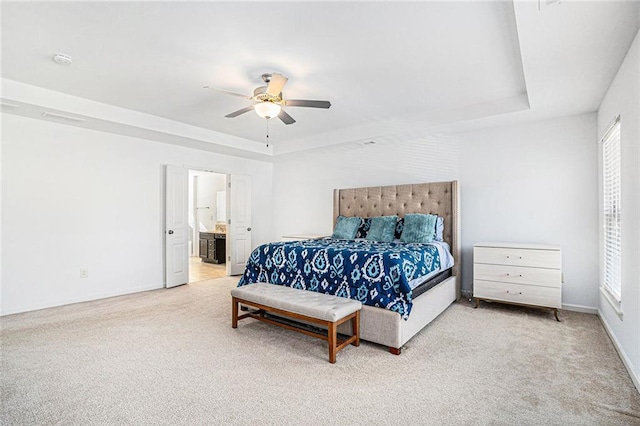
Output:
x,y
234,312
333,340
356,328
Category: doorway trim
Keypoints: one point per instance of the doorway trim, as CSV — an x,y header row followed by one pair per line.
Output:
x,y
228,244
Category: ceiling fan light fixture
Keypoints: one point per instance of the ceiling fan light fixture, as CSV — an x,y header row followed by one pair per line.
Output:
x,y
267,109
268,101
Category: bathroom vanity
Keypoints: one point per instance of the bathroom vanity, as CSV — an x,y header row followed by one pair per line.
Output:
x,y
213,247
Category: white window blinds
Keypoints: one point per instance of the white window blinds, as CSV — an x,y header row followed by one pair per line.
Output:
x,y
611,197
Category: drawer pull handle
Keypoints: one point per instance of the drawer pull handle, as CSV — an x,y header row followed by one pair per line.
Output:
x,y
513,292
519,275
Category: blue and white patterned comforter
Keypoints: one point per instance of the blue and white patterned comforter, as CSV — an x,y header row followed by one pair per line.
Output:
x,y
376,274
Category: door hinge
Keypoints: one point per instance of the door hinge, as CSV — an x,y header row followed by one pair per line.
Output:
x,y
229,222
229,258
229,184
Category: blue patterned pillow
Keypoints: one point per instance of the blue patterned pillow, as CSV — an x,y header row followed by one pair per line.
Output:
x,y
363,229
382,228
399,228
346,228
419,228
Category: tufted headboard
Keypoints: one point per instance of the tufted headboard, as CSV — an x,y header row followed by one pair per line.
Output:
x,y
441,198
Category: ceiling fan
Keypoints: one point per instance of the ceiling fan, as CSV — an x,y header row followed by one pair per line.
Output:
x,y
268,101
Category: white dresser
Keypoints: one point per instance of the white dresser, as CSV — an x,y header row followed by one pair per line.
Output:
x,y
525,274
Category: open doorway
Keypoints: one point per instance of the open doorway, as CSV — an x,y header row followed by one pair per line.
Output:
x,y
207,225
183,232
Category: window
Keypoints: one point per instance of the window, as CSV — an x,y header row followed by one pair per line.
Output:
x,y
611,195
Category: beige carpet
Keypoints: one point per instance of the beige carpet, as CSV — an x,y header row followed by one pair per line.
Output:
x,y
171,357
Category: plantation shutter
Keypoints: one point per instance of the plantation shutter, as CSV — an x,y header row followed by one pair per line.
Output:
x,y
612,278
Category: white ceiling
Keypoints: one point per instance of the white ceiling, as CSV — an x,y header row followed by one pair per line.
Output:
x,y
387,68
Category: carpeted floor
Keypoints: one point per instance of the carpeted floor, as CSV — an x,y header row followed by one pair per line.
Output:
x,y
170,357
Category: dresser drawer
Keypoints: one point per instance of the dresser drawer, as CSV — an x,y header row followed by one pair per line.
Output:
x,y
551,259
518,293
518,274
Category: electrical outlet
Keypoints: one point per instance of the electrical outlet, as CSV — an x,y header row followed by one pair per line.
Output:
x,y
84,273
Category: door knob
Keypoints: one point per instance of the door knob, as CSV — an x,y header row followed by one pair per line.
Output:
x,y
249,229
170,231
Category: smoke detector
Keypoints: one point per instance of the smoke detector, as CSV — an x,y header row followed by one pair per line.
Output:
x,y
62,59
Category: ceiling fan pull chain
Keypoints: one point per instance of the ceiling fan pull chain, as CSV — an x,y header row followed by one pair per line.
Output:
x,y
267,133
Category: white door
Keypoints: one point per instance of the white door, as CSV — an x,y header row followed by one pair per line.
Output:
x,y
176,230
239,225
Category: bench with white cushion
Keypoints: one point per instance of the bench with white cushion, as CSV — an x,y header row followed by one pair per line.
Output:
x,y
316,308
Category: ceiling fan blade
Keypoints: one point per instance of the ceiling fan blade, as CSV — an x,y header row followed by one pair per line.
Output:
x,y
286,118
276,84
227,92
240,111
307,103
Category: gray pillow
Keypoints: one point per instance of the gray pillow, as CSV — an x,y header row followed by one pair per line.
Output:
x,y
346,228
382,228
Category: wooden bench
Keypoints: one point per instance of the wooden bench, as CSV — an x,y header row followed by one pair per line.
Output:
x,y
316,308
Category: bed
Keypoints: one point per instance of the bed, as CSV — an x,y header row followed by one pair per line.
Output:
x,y
388,278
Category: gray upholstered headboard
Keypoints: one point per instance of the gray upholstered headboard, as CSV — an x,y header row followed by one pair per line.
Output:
x,y
441,198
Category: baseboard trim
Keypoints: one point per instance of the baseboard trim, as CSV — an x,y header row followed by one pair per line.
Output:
x,y
71,301
580,308
623,356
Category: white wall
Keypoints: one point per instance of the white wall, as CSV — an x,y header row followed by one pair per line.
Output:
x,y
304,183
1,219
76,198
622,99
529,183
535,183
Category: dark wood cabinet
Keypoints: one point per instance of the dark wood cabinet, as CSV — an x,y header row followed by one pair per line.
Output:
x,y
204,253
213,247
